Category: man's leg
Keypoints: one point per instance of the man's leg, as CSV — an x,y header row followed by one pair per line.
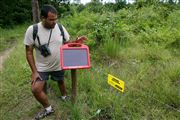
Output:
x,y
59,77
62,87
38,92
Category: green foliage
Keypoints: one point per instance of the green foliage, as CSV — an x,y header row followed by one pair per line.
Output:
x,y
138,45
14,12
95,7
62,6
19,12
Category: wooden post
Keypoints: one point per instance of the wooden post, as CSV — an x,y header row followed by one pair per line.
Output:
x,y
74,84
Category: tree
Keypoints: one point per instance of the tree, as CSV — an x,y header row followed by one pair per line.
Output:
x,y
35,11
120,4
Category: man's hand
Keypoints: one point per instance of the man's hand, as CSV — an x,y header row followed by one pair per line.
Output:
x,y
35,76
80,39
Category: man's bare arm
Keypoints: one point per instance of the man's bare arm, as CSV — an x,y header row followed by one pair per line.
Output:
x,y
30,58
31,61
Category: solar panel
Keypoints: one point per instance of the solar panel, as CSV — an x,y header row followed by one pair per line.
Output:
x,y
75,57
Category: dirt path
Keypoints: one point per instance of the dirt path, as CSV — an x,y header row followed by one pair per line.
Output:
x,y
4,55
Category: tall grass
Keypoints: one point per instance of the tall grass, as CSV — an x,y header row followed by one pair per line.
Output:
x,y
9,37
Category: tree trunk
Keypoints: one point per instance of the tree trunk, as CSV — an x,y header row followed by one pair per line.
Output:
x,y
35,11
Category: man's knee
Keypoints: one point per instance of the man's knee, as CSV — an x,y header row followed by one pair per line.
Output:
x,y
37,89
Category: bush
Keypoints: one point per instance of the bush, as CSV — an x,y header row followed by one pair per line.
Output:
x,y
16,12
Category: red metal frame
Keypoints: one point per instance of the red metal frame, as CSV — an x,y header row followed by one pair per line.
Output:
x,y
74,46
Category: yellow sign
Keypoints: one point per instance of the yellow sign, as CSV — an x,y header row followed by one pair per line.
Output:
x,y
116,83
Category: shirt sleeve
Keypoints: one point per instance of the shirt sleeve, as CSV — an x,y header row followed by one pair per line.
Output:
x,y
28,39
66,34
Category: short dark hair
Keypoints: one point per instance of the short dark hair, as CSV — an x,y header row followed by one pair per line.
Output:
x,y
47,8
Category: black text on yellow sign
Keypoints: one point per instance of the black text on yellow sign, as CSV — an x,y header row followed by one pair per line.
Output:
x,y
116,83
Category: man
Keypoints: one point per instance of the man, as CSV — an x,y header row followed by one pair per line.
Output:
x,y
49,39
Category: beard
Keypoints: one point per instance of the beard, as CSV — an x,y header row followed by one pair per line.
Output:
x,y
52,26
49,26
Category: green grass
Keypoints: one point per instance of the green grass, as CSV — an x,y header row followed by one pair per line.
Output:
x,y
9,37
147,61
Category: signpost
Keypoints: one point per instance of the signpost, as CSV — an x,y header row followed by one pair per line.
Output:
x,y
74,84
116,83
74,56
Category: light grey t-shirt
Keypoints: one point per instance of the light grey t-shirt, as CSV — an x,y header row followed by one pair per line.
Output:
x,y
52,62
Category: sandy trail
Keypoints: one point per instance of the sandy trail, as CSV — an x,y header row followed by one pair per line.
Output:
x,y
4,55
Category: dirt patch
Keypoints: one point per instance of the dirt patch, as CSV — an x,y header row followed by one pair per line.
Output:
x,y
4,55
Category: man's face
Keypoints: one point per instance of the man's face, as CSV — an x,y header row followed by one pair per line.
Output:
x,y
50,21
